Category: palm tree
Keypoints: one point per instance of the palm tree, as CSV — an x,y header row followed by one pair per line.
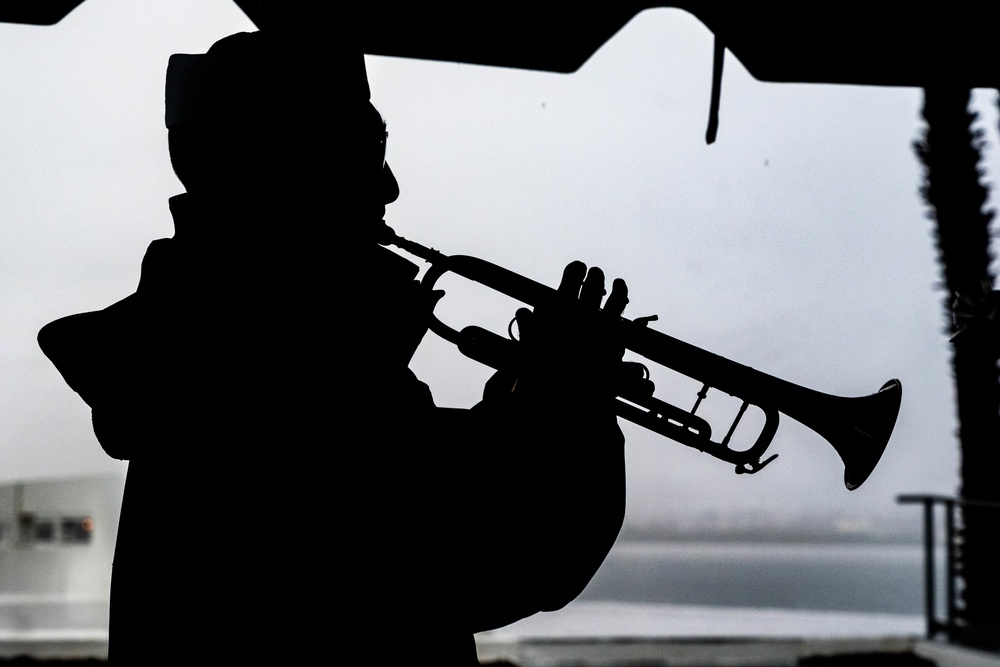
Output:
x,y
950,152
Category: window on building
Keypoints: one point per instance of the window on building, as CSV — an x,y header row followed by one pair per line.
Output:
x,y
76,530
42,530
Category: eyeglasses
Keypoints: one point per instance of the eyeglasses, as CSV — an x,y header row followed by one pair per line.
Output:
x,y
384,139
369,138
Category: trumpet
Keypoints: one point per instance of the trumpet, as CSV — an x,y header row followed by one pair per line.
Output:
x,y
858,428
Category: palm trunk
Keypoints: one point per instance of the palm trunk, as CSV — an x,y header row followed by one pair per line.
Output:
x,y
952,189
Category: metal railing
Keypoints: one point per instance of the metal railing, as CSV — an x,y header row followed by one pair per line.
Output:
x,y
936,626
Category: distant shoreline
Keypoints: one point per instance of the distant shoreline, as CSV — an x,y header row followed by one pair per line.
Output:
x,y
766,537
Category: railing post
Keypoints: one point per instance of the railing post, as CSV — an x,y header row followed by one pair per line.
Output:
x,y
930,587
950,568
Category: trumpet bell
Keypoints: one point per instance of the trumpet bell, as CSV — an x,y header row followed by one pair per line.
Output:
x,y
861,438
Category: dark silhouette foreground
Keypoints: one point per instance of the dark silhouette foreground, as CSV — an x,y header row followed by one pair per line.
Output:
x,y
292,489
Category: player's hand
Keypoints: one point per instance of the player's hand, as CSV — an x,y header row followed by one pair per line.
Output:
x,y
575,341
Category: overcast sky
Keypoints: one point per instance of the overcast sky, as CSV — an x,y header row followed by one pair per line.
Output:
x,y
796,244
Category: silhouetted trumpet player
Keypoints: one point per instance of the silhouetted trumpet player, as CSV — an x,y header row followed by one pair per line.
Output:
x,y
279,446
857,428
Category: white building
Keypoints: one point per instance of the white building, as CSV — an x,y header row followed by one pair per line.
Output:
x,y
57,540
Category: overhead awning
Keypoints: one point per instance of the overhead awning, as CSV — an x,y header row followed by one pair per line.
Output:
x,y
861,43
939,43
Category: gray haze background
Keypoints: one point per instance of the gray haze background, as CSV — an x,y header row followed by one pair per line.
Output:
x,y
796,244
